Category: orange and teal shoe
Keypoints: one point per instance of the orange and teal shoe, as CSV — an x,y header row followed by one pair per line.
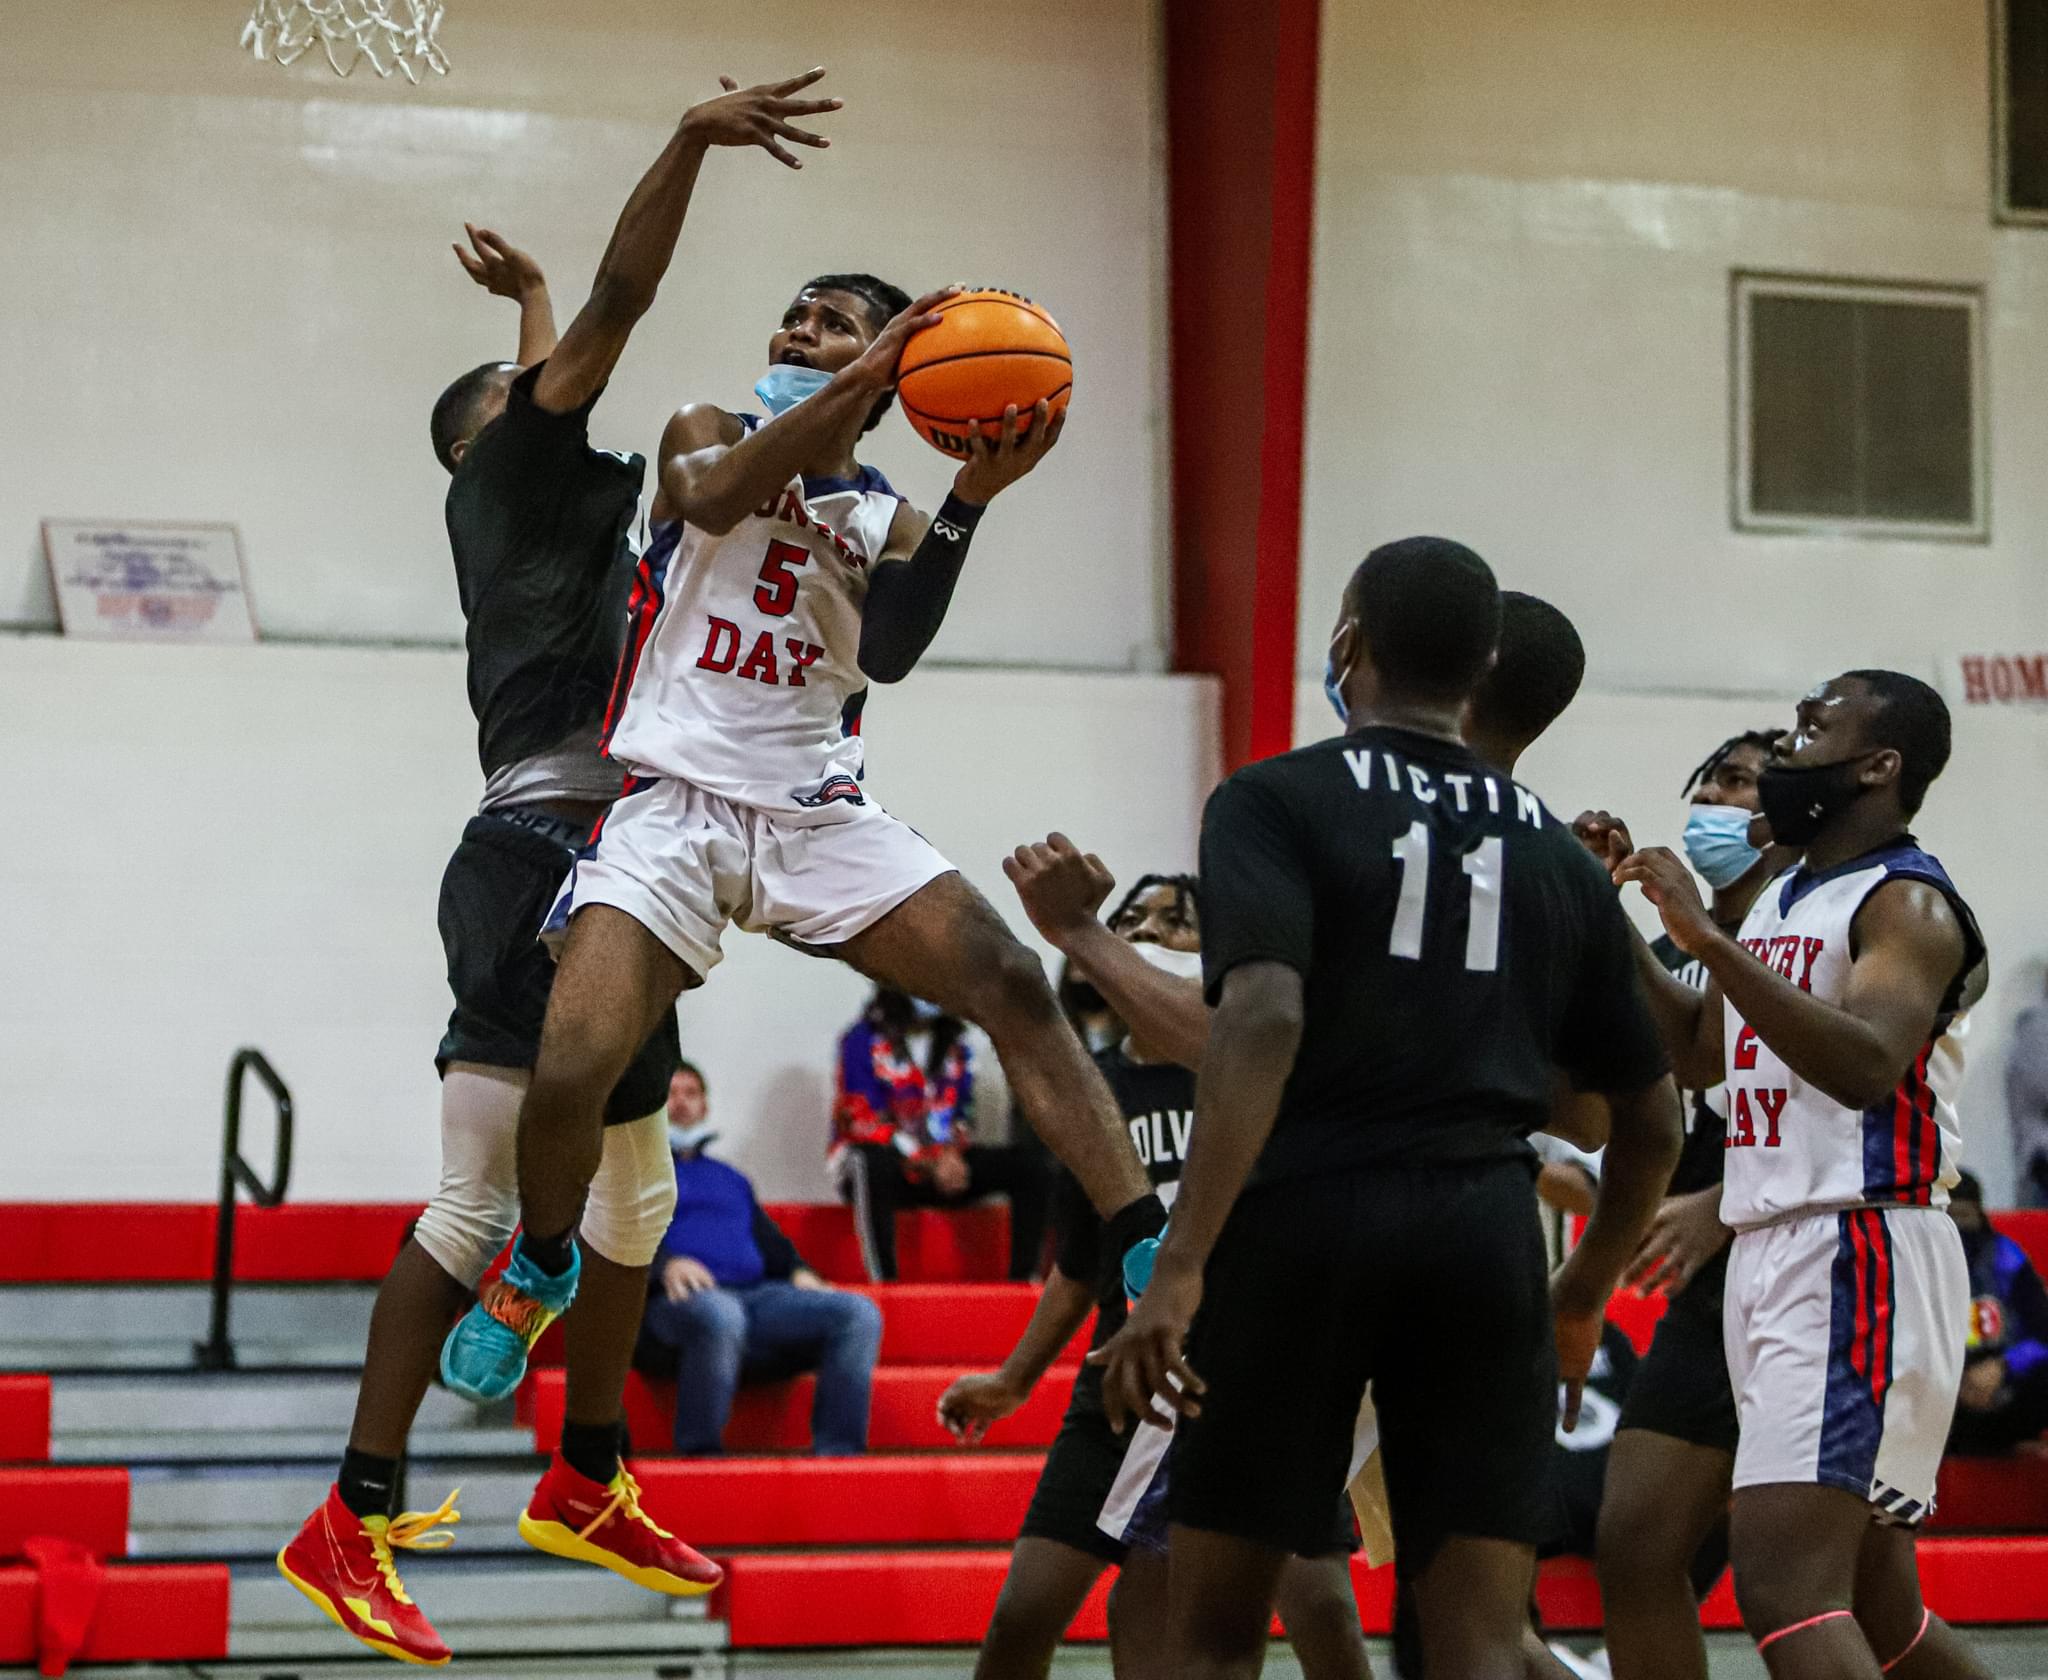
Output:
x,y
484,1357
571,1516
343,1563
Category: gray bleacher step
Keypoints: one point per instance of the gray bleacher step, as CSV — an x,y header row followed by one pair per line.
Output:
x,y
231,1403
259,1446
105,1416
86,1326
530,1607
183,1511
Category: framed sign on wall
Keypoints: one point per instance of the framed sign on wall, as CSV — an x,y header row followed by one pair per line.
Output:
x,y
149,582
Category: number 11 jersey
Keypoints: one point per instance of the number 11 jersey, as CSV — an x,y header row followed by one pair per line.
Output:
x,y
742,672
1456,946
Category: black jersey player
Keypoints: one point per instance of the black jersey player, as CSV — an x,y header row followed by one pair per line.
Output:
x,y
1402,945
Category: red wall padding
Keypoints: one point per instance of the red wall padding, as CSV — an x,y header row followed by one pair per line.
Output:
x,y
66,1502
24,1416
148,1613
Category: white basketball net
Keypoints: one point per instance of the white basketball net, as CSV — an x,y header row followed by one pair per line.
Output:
x,y
392,35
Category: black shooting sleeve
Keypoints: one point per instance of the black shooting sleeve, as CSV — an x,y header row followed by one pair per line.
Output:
x,y
907,599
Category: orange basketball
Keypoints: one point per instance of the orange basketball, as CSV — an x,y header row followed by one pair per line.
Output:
x,y
989,349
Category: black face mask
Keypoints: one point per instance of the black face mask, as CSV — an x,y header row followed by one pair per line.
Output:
x,y
1799,803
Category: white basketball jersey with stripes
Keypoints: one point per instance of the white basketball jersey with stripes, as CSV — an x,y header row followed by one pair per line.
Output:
x,y
742,671
1792,1149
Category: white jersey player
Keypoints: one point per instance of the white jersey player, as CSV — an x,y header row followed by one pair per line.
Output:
x,y
781,578
1833,1017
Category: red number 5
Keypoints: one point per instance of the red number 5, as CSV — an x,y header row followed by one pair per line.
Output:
x,y
777,594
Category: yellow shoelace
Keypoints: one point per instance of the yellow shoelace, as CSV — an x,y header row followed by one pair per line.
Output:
x,y
411,1531
625,1500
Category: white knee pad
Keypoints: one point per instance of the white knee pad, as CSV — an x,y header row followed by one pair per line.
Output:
x,y
473,1213
633,1197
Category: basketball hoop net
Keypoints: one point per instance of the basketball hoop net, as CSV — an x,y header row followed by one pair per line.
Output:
x,y
392,34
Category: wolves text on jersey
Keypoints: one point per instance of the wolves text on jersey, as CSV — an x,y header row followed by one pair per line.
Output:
x,y
1161,1135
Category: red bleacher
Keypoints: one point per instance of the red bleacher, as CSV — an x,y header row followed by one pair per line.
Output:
x,y
144,1612
24,1417
905,1547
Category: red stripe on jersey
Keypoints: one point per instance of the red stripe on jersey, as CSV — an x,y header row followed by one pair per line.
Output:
x,y
643,606
1880,1304
1903,1124
1859,1339
1930,1133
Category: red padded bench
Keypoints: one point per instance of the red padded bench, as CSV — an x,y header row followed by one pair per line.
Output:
x,y
948,1499
776,1417
65,1502
24,1417
2007,1495
947,1597
147,1613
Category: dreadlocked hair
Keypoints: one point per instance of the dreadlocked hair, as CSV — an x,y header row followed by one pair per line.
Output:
x,y
1764,738
1187,894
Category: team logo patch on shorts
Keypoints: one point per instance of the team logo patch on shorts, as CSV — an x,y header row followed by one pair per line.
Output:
x,y
833,790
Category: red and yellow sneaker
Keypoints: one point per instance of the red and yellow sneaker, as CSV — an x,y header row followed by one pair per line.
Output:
x,y
343,1563
574,1517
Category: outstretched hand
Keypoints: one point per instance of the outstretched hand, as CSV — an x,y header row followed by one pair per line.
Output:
x,y
994,464
1142,1364
760,116
1062,887
497,265
1669,885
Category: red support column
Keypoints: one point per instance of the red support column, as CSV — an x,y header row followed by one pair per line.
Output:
x,y
1241,121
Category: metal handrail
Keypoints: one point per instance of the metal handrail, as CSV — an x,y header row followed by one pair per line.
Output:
x,y
217,1352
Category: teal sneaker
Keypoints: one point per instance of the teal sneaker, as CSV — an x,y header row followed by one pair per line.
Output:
x,y
485,1354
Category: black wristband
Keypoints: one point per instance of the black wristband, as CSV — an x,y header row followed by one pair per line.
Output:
x,y
961,517
1122,1231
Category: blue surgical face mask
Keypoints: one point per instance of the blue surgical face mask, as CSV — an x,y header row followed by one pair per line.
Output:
x,y
1333,682
785,385
1717,841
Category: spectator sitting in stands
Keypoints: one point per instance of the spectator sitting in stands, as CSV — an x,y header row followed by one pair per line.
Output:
x,y
902,1134
2004,1398
733,1300
2026,1102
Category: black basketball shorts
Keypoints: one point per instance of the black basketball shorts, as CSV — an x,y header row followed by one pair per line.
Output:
x,y
495,893
1102,1492
1430,1283
1681,1386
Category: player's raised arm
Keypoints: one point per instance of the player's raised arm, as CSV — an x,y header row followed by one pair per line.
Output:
x,y
630,272
1910,949
505,271
1062,890
714,476
909,592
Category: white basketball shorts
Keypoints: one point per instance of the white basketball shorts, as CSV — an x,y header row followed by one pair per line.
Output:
x,y
1845,1335
683,863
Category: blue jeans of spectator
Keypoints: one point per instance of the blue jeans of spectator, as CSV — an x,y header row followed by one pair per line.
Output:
x,y
765,1332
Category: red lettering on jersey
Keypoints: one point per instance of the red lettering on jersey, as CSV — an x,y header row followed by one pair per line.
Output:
x,y
776,593
802,656
760,666
1741,1125
1811,949
1745,1047
1786,954
721,646
1773,1104
1757,948
793,511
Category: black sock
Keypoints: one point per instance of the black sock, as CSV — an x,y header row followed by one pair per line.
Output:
x,y
552,1255
367,1483
591,1449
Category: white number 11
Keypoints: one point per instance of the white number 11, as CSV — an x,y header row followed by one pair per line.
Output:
x,y
1482,867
